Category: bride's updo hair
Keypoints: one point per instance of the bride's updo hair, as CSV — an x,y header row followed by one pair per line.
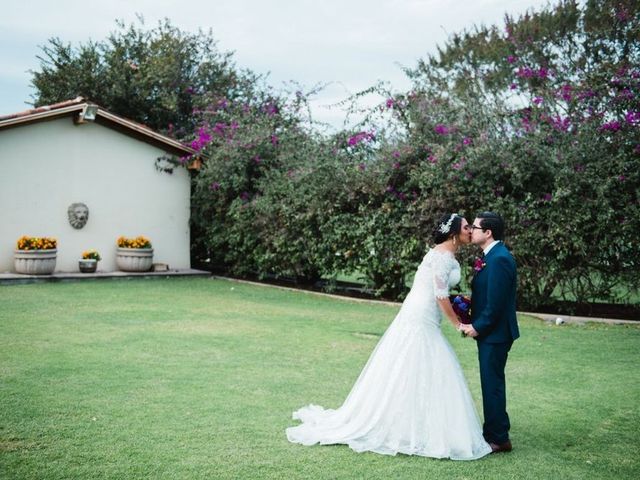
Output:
x,y
448,225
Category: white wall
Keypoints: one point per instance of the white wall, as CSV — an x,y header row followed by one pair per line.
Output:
x,y
47,166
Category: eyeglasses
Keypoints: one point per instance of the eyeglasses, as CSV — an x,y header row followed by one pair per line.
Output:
x,y
475,227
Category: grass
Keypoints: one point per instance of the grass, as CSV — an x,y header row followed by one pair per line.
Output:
x,y
197,379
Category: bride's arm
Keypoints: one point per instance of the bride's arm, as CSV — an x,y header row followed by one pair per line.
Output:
x,y
447,309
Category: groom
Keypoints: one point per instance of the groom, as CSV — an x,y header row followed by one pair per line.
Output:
x,y
493,323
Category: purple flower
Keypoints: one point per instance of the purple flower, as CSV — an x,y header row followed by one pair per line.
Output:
x,y
467,141
222,104
579,168
203,136
441,129
561,124
537,100
390,102
396,165
633,118
215,186
543,73
621,178
511,59
433,159
565,92
219,128
525,72
622,15
257,160
612,126
636,150
547,197
244,196
189,90
396,154
271,109
513,86
360,137
362,167
459,165
274,140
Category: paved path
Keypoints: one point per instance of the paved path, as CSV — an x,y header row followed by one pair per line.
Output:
x,y
16,278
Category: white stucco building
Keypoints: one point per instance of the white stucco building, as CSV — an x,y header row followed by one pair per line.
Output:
x,y
51,157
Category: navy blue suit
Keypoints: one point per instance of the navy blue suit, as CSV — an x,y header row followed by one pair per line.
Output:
x,y
493,316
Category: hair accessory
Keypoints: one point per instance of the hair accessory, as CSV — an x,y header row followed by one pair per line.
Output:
x,y
446,227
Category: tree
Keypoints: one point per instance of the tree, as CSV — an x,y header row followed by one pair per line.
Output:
x,y
157,76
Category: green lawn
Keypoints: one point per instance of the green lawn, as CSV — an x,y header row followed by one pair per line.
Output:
x,y
197,379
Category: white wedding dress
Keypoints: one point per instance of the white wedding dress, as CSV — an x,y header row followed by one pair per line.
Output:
x,y
411,397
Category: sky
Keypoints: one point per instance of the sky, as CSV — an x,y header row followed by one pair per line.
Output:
x,y
347,45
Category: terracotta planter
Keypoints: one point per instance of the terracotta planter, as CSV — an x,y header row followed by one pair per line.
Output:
x,y
87,265
35,262
134,259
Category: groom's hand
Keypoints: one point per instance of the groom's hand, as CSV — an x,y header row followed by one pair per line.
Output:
x,y
469,331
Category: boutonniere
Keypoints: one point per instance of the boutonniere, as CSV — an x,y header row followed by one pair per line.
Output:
x,y
479,264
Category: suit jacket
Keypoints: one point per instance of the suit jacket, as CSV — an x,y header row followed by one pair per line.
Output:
x,y
493,297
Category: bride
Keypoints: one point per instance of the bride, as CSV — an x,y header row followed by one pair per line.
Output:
x,y
411,397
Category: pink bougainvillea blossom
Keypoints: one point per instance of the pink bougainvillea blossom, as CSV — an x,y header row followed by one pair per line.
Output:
x,y
441,129
633,118
360,137
612,126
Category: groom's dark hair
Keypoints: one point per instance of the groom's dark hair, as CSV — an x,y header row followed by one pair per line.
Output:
x,y
494,222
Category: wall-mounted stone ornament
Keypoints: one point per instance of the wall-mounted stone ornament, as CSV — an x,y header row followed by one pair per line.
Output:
x,y
78,214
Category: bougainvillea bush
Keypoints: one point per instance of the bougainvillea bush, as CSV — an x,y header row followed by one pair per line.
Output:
x,y
537,119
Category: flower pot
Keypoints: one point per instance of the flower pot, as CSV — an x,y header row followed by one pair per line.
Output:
x,y
35,262
88,265
134,259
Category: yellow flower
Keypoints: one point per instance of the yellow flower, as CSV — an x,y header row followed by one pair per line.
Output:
x,y
36,243
137,242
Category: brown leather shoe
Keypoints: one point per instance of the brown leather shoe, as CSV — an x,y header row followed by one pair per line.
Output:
x,y
503,447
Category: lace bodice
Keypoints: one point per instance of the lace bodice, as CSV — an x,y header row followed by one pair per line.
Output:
x,y
438,271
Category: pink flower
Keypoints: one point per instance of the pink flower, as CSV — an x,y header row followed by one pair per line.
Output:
x,y
478,264
390,102
565,92
537,100
441,129
511,59
612,126
561,124
360,137
633,118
